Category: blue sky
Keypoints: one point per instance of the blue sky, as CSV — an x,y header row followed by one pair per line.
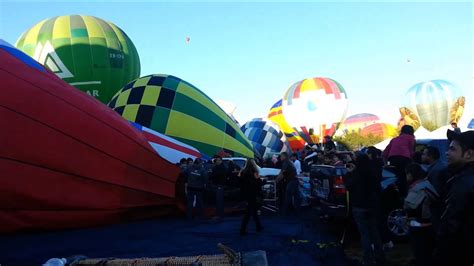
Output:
x,y
250,53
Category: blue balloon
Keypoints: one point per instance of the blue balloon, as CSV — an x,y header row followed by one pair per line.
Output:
x,y
266,137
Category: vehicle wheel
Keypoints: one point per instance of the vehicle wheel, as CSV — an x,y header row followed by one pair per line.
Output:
x,y
397,222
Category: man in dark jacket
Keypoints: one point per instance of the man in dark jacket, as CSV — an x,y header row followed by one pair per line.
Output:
x,y
430,156
289,181
361,181
455,238
195,185
219,172
437,177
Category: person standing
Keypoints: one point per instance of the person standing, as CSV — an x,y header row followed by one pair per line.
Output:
x,y
196,183
399,153
455,236
455,127
219,172
251,187
421,195
436,175
361,182
329,145
430,156
288,176
296,163
180,186
387,201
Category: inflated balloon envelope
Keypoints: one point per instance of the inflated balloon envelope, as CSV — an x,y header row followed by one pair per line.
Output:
x,y
168,148
174,107
67,160
276,115
89,53
266,137
355,123
434,103
315,107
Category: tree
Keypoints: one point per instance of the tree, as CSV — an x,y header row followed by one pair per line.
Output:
x,y
354,141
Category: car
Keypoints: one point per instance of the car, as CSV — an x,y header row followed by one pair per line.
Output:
x,y
239,161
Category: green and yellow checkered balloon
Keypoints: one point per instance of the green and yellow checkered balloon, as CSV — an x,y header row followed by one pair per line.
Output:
x,y
177,109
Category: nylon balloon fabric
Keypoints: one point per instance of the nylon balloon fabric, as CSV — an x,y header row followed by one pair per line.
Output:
x,y
266,137
174,107
69,160
89,53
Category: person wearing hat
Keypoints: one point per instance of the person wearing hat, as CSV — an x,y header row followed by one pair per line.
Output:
x,y
455,236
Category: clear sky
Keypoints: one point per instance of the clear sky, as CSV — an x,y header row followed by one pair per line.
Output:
x,y
250,53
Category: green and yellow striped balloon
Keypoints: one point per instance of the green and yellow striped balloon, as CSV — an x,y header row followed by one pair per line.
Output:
x,y
176,108
89,53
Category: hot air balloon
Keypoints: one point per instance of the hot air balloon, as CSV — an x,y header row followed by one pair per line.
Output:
x,y
276,115
408,118
355,123
435,103
87,52
69,161
315,107
174,107
266,137
168,148
382,130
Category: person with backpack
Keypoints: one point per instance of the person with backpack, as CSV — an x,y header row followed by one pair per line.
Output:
x,y
421,195
195,185
251,189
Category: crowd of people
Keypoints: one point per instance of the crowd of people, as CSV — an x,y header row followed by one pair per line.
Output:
x,y
438,197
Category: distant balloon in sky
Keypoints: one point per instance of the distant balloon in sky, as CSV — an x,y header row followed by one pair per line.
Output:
x,y
315,107
188,39
435,103
89,53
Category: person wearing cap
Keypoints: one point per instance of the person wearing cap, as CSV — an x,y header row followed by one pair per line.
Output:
x,y
455,236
